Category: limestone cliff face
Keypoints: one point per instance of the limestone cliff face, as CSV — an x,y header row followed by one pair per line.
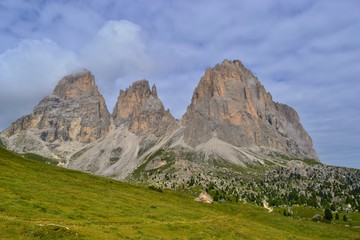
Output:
x,y
141,110
76,111
230,104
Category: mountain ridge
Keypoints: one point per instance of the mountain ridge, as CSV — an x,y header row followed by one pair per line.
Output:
x,y
231,118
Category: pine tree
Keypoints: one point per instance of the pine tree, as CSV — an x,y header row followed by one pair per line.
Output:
x,y
328,214
333,207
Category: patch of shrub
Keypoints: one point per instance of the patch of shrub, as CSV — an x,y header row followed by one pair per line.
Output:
x,y
52,231
328,214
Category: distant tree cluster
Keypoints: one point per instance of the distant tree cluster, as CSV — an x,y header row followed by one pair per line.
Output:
x,y
313,185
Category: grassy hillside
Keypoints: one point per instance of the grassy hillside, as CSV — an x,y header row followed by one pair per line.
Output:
x,y
41,201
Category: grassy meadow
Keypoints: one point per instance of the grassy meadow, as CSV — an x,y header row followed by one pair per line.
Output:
x,y
41,201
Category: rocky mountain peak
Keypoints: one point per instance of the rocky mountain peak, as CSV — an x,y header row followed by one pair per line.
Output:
x,y
81,83
232,105
75,112
140,108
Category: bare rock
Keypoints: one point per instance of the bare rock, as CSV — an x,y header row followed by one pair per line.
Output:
x,y
76,111
140,109
204,197
155,164
316,218
232,105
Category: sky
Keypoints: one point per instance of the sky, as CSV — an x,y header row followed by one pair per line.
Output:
x,y
305,52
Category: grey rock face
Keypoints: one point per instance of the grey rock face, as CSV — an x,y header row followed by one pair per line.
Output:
x,y
75,112
231,104
141,110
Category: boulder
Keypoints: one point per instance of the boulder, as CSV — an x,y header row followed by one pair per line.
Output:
x,y
204,197
316,218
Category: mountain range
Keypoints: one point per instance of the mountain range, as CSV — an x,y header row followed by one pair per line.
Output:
x,y
233,142
231,119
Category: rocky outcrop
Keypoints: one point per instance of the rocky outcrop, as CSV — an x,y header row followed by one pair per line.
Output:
x,y
316,218
76,111
141,110
230,104
204,197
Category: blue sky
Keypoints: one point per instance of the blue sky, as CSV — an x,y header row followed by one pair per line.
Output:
x,y
305,52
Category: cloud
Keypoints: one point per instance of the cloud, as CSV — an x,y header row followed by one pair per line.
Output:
x,y
117,50
29,72
70,25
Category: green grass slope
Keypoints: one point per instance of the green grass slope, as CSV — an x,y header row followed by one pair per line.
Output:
x,y
41,201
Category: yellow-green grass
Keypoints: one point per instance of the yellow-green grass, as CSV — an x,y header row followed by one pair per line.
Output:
x,y
41,201
302,212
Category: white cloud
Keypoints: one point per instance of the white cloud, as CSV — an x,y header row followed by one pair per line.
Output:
x,y
29,72
70,25
117,50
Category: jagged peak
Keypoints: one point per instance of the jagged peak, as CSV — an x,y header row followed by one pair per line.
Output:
x,y
142,88
140,83
154,91
79,72
227,62
78,83
139,108
75,112
231,67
